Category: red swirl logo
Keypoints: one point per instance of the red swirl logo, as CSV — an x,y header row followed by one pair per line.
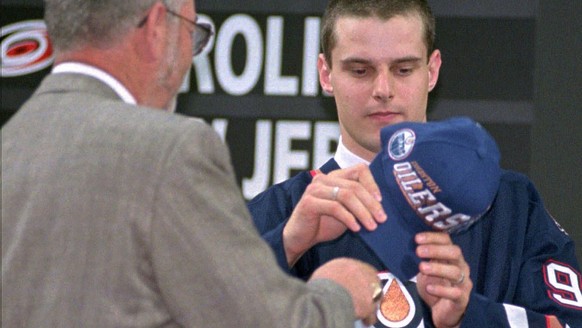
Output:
x,y
25,48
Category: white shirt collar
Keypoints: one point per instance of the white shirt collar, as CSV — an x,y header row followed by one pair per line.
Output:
x,y
99,74
345,158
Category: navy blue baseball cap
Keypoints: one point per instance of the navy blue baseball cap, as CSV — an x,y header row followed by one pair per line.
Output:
x,y
435,176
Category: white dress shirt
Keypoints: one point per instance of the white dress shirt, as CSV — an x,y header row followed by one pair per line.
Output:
x,y
73,67
345,158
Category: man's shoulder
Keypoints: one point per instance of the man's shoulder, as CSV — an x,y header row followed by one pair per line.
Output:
x,y
284,191
518,203
513,182
88,117
514,177
290,190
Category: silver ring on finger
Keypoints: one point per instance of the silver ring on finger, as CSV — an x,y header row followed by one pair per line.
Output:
x,y
334,192
461,279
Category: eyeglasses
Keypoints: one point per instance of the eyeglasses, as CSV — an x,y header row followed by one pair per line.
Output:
x,y
200,36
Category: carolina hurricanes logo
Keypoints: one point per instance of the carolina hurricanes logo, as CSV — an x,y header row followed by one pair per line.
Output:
x,y
25,48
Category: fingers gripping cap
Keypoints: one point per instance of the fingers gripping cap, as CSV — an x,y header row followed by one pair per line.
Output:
x,y
439,176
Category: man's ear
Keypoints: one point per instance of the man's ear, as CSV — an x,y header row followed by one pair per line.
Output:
x,y
154,33
434,67
324,75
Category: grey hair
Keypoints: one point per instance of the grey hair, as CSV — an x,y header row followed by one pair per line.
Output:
x,y
74,23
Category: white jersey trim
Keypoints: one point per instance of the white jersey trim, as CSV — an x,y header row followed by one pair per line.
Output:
x,y
516,316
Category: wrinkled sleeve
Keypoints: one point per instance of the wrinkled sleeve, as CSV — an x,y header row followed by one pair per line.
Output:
x,y
210,264
546,288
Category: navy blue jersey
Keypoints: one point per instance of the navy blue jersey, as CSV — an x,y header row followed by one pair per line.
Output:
x,y
523,264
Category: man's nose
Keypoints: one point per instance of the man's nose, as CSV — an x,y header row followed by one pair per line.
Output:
x,y
383,86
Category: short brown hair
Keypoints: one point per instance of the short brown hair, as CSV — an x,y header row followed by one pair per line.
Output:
x,y
383,9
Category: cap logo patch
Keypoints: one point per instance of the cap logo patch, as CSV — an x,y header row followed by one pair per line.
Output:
x,y
401,144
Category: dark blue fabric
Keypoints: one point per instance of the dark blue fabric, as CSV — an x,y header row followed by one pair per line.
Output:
x,y
507,250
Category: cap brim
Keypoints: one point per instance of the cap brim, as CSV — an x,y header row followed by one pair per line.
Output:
x,y
393,241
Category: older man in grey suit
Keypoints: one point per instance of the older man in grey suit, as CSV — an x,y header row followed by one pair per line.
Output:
x,y
116,213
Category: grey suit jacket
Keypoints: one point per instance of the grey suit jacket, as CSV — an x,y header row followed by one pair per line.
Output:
x,y
116,215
